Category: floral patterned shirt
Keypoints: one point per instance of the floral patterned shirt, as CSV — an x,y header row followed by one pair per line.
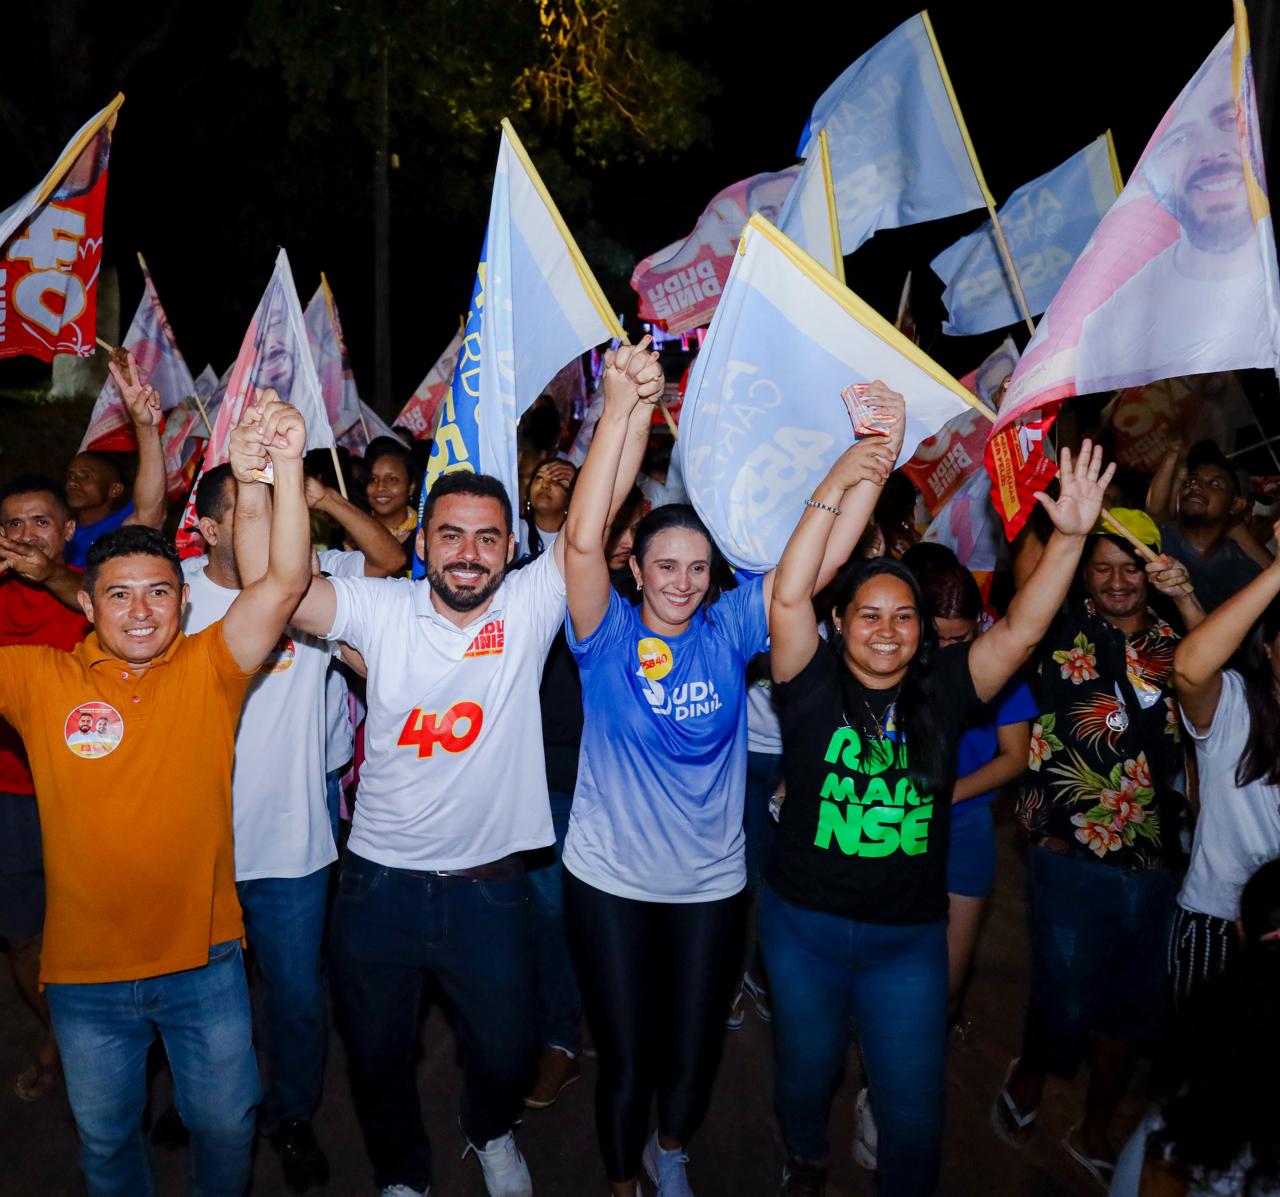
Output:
x,y
1106,748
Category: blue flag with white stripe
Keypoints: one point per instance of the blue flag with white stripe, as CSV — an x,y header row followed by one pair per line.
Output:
x,y
535,306
900,152
1047,224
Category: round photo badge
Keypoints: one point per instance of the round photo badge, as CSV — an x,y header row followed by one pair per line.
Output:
x,y
655,658
93,730
280,658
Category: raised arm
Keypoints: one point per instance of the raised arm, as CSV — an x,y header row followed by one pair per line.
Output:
x,y
855,482
142,402
30,561
384,555
995,656
1164,484
632,379
1200,658
856,503
255,620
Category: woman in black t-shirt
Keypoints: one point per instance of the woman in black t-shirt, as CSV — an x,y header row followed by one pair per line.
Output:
x,y
853,914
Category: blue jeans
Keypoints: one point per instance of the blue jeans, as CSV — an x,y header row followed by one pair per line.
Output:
x,y
1099,935
891,981
104,1031
333,796
393,931
557,982
284,923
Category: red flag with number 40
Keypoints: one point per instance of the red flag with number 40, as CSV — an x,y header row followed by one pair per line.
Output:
x,y
51,251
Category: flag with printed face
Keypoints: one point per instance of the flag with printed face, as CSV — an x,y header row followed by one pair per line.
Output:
x,y
419,414
680,285
900,152
366,427
967,524
154,347
809,216
274,354
535,306
51,250
180,440
1046,223
1179,278
763,419
333,366
944,462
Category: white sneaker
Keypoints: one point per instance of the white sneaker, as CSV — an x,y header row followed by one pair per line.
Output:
x,y
404,1191
505,1172
666,1169
865,1135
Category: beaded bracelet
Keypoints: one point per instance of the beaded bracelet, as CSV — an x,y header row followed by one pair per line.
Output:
x,y
822,506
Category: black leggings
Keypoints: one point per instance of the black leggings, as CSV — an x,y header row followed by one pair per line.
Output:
x,y
657,979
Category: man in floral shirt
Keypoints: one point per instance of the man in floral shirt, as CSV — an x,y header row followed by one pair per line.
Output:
x,y
1100,806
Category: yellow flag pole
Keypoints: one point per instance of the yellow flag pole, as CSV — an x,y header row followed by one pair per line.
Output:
x,y
987,199
833,212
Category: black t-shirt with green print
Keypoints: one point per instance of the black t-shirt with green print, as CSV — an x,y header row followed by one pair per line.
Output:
x,y
856,839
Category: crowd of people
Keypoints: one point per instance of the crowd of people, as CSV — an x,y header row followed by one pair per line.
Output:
x,y
605,793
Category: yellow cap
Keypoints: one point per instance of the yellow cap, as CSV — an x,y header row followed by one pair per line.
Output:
x,y
1132,520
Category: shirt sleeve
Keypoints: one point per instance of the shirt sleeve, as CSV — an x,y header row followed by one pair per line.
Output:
x,y
610,632
741,617
362,606
20,666
339,564
537,592
810,688
223,667
1230,720
1016,703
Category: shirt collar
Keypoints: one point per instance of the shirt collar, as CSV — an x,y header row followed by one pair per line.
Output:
x,y
425,609
1157,627
90,648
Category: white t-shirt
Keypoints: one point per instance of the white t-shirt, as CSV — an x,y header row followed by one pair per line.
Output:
x,y
547,539
1238,829
453,775
278,799
340,735
764,732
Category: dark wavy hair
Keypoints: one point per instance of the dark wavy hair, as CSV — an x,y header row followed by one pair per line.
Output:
x,y
918,727
949,589
682,515
132,540
1260,760
1226,1098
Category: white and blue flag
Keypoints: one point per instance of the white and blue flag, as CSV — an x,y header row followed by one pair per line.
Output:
x,y
535,306
900,152
810,216
1047,224
763,419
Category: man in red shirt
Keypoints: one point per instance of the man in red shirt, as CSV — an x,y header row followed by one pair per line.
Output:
x,y
37,606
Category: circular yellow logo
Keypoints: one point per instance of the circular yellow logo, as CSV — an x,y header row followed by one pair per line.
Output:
x,y
655,658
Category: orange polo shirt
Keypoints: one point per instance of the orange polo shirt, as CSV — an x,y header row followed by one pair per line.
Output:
x,y
133,777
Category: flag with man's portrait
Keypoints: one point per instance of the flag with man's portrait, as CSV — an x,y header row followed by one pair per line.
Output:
x,y
1179,278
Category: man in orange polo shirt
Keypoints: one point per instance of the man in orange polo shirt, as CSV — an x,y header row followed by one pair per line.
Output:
x,y
142,930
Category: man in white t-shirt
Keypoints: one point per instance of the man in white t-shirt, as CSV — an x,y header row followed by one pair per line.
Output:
x,y
284,843
453,788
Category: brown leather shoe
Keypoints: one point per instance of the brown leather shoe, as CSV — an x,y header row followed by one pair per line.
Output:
x,y
555,1071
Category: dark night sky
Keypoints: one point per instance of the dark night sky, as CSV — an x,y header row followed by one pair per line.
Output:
x,y
206,182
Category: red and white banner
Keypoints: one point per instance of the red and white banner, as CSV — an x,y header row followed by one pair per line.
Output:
x,y
1145,421
51,251
679,286
944,462
180,442
154,347
419,414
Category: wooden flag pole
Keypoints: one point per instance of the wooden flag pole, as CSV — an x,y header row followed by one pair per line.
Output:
x,y
337,469
104,346
666,415
1009,266
363,426
204,415
1140,548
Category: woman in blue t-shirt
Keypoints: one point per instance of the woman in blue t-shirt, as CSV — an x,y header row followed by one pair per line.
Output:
x,y
853,912
654,862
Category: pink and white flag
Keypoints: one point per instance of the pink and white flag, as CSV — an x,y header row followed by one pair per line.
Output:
x,y
419,414
333,366
151,341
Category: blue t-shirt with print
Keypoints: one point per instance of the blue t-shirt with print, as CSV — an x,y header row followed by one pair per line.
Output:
x,y
78,546
657,813
979,745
